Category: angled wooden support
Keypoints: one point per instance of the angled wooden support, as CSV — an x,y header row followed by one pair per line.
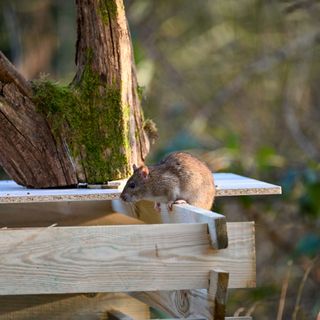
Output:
x,y
181,213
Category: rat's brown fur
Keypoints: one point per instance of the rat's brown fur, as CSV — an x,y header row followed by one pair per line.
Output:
x,y
180,176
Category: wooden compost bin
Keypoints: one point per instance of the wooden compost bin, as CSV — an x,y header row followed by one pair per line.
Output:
x,y
73,253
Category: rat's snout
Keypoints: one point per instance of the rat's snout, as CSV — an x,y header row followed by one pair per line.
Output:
x,y
123,196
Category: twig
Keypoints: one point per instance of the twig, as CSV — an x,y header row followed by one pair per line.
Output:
x,y
238,312
283,294
252,309
303,281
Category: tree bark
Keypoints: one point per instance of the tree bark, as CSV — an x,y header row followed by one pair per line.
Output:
x,y
100,133
28,150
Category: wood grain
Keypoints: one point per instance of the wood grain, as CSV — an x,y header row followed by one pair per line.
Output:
x,y
121,258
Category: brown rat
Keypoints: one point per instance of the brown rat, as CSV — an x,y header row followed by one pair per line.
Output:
x,y
178,178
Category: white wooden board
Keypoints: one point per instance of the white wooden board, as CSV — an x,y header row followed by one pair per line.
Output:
x,y
227,184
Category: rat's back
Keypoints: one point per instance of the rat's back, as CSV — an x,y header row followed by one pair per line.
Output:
x,y
195,179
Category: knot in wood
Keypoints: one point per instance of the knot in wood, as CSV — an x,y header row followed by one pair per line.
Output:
x,y
182,302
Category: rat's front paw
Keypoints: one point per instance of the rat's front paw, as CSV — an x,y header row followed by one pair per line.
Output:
x,y
157,206
180,201
171,203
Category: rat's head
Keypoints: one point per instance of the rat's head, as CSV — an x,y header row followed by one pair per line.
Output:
x,y
137,185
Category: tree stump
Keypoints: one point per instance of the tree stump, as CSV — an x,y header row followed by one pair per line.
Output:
x,y
90,131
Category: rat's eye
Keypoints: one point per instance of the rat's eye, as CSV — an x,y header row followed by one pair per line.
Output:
x,y
132,185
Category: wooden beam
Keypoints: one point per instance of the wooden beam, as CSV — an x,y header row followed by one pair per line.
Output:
x,y
121,258
70,306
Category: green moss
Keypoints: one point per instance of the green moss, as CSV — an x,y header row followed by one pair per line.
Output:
x,y
94,122
140,90
107,10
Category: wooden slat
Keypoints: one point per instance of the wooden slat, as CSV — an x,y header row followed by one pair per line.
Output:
x,y
121,258
71,307
227,185
182,213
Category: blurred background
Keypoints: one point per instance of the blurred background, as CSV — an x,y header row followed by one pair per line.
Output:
x,y
236,82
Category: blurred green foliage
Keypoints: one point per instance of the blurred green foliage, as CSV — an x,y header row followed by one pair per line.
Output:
x,y
236,83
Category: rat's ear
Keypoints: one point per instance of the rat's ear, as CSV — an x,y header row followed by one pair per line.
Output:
x,y
144,171
134,167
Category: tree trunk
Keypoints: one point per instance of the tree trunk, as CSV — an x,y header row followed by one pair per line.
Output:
x,y
93,130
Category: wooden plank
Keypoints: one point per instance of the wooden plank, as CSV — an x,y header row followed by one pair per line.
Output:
x,y
71,307
182,213
228,184
10,192
121,258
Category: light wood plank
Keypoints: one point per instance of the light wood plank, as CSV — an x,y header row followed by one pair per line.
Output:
x,y
227,184
121,258
71,307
